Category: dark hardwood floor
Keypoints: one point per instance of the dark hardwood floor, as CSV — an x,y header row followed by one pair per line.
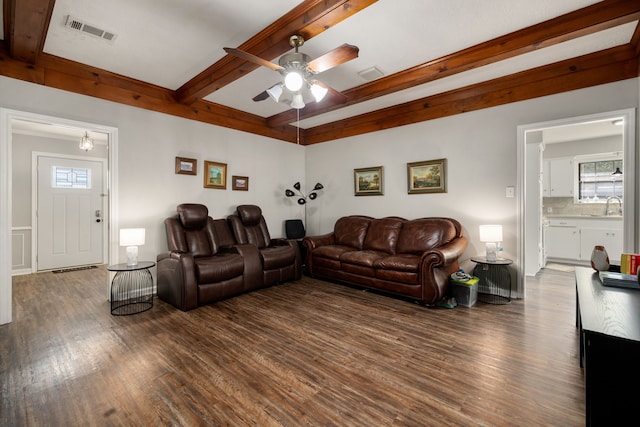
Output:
x,y
302,353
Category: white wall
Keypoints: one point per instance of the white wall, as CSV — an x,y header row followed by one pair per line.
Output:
x,y
480,148
149,189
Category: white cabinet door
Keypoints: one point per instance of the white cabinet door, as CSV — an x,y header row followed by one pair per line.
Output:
x,y
561,177
562,242
610,239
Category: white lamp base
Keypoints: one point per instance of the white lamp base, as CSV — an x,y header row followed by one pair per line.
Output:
x,y
132,255
491,251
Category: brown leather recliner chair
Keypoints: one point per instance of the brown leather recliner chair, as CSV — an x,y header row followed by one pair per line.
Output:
x,y
280,257
204,263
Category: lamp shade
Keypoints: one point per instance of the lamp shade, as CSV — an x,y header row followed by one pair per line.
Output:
x,y
131,236
275,92
491,233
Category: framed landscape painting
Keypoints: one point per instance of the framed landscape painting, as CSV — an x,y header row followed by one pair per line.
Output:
x,y
186,166
240,183
369,181
215,175
427,177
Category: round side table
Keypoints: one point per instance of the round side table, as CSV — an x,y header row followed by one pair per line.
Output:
x,y
494,286
131,288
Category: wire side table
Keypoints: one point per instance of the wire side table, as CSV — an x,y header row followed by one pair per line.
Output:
x,y
494,286
131,288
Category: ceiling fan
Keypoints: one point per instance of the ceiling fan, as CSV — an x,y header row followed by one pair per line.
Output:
x,y
298,69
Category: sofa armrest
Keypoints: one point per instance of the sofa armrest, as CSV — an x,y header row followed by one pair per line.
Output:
x,y
312,242
177,283
436,265
294,245
252,276
448,254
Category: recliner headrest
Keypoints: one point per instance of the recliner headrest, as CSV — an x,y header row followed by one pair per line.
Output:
x,y
193,215
249,214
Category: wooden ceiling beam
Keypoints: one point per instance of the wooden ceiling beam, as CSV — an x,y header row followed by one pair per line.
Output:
x,y
55,72
26,24
591,19
589,70
309,18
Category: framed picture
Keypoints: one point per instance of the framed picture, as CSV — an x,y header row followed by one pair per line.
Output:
x,y
369,181
427,177
215,175
186,166
240,183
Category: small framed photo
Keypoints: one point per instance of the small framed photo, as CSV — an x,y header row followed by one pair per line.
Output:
x,y
215,175
427,177
186,166
240,183
369,181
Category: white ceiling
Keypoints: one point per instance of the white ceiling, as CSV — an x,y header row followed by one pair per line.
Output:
x,y
168,42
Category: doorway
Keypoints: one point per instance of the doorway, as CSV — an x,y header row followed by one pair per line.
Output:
x,y
530,174
8,118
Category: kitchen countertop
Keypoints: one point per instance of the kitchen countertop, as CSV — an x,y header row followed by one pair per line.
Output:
x,y
584,216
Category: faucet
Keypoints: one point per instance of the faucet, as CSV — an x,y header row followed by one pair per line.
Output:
x,y
608,211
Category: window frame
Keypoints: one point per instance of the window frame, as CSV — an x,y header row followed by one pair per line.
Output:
x,y
596,158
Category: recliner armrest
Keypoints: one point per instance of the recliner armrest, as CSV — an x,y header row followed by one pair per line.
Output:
x,y
177,279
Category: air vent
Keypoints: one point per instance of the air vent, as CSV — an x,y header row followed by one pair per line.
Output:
x,y
371,73
86,28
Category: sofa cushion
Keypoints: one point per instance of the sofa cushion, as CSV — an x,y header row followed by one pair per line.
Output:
x,y
421,235
399,262
366,258
331,251
382,234
221,267
351,230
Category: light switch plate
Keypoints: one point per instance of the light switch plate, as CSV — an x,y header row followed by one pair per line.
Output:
x,y
511,192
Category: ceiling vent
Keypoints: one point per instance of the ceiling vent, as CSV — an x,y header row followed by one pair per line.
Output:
x,y
371,73
78,25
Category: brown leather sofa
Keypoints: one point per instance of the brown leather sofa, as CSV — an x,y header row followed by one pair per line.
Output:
x,y
205,263
411,258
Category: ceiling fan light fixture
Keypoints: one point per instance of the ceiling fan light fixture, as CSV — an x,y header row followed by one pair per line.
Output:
x,y
318,91
297,102
275,92
293,81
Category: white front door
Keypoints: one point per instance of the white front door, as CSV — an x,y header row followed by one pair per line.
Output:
x,y
69,212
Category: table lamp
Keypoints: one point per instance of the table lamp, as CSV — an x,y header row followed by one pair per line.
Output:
x,y
132,238
491,235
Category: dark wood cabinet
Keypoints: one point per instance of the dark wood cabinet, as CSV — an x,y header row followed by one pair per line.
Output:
x,y
609,323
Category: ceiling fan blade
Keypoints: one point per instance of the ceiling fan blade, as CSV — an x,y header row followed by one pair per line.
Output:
x,y
261,96
333,58
252,58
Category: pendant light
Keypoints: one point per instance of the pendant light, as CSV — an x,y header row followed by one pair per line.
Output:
x,y
86,143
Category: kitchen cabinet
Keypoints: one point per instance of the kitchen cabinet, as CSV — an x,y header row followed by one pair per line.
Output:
x,y
561,177
562,240
610,239
573,238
